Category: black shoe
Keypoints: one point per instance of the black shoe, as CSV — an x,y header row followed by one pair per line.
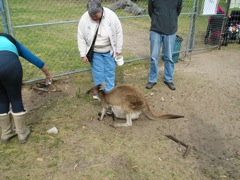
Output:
x,y
150,85
170,85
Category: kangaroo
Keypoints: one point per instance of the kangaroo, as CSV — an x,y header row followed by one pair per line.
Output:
x,y
130,99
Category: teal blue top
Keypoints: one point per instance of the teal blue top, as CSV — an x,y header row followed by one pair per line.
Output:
x,y
7,45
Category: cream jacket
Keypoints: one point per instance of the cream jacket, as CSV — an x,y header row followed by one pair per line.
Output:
x,y
87,29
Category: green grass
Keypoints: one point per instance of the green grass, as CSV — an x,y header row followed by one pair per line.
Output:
x,y
56,44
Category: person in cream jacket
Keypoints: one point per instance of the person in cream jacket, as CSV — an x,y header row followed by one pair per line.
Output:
x,y
108,43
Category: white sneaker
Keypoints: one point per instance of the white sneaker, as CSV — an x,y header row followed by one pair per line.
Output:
x,y
96,97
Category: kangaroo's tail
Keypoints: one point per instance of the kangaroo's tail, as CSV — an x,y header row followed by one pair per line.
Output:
x,y
147,111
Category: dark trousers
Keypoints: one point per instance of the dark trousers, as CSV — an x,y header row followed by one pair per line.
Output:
x,y
10,82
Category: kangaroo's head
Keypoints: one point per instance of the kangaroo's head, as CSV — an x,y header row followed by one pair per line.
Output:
x,y
94,91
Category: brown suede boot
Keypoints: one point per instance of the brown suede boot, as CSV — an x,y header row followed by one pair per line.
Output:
x,y
6,126
21,129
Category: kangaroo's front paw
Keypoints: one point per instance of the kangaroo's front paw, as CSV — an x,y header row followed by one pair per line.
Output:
x,y
99,118
100,113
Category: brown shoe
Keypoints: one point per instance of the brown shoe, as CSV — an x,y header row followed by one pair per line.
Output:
x,y
150,85
170,85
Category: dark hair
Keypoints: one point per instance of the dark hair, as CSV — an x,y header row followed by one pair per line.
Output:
x,y
94,7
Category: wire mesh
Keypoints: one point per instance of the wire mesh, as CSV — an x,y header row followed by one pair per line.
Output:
x,y
49,30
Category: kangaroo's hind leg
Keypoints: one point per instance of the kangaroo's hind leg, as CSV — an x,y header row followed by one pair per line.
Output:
x,y
128,121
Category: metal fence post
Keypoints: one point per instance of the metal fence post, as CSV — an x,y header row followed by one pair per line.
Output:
x,y
227,8
192,30
222,37
10,28
4,18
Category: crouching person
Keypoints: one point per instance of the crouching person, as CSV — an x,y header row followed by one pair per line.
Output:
x,y
10,87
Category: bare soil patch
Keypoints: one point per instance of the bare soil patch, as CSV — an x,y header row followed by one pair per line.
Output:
x,y
207,95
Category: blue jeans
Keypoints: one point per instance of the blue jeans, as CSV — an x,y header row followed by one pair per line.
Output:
x,y
103,70
167,41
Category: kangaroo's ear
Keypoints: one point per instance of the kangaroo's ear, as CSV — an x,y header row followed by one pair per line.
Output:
x,y
103,85
99,87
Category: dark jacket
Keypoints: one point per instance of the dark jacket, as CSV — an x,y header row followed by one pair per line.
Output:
x,y
164,15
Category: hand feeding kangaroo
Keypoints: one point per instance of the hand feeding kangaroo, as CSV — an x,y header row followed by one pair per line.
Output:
x,y
130,99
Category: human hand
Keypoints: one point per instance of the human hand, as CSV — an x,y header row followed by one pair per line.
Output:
x,y
48,80
118,53
85,59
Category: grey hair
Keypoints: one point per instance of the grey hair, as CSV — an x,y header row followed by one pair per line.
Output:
x,y
94,7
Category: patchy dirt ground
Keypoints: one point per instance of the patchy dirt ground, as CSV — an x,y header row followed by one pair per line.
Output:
x,y
207,94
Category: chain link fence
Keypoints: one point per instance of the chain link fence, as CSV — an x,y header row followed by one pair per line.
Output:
x,y
49,29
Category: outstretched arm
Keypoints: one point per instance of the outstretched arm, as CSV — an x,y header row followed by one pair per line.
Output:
x,y
48,79
29,56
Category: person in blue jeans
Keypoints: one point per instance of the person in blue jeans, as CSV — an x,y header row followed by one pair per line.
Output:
x,y
108,44
11,74
164,24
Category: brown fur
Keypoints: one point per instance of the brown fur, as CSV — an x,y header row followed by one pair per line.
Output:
x,y
130,99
